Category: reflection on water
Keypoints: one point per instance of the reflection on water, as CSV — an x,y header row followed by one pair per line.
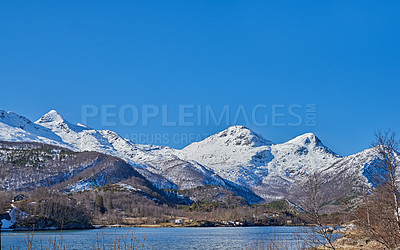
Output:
x,y
163,238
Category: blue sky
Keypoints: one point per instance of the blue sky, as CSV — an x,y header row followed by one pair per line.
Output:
x,y
341,56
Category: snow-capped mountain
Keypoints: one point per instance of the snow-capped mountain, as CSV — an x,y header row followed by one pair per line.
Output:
x,y
159,164
243,157
236,158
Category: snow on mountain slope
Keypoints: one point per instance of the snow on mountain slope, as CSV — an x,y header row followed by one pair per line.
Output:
x,y
29,165
79,137
233,146
83,138
14,127
230,153
243,157
53,129
156,163
303,154
291,163
359,168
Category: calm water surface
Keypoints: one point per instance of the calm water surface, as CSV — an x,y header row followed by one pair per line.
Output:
x,y
162,238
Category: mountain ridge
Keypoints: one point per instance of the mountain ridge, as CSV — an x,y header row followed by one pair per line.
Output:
x,y
237,157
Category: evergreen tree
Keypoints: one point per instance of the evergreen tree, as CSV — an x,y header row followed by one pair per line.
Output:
x,y
100,203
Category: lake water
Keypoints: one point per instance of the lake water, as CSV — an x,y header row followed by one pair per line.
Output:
x,y
163,238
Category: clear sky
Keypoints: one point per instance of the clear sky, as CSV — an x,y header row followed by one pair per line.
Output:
x,y
343,57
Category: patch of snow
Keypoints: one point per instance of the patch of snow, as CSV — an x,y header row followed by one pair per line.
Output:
x,y
14,214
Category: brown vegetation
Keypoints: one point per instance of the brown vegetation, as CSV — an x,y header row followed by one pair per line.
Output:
x,y
378,216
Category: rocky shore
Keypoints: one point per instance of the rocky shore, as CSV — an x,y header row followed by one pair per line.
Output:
x,y
353,239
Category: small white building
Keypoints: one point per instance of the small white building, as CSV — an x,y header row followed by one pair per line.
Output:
x,y
178,221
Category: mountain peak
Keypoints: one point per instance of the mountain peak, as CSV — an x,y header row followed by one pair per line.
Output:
x,y
236,129
14,127
241,135
56,122
51,117
306,140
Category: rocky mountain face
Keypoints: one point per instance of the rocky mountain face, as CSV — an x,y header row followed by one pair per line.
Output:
x,y
237,158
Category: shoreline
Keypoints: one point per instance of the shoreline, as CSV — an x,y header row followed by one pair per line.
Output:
x,y
96,227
